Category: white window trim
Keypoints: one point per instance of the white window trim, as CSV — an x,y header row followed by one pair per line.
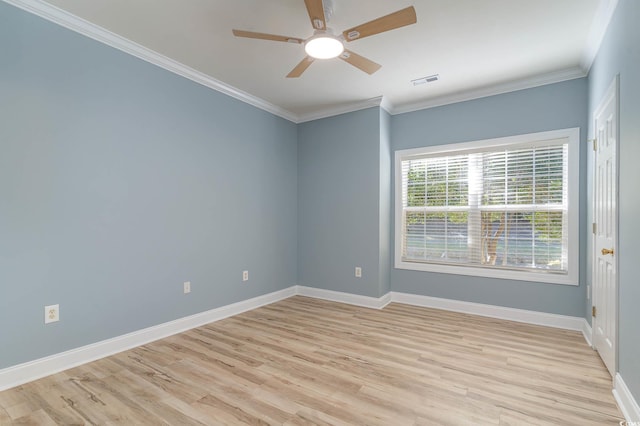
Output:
x,y
571,278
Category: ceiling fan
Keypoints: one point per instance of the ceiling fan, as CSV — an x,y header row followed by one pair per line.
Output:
x,y
324,44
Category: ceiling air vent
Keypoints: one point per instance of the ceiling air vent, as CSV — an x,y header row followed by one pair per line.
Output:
x,y
425,80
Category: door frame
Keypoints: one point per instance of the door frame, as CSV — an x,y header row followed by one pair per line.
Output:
x,y
612,91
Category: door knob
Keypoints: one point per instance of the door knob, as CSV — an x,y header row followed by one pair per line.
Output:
x,y
607,251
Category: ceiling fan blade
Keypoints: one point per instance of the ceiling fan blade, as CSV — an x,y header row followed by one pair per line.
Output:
x,y
360,62
316,14
301,67
392,21
263,36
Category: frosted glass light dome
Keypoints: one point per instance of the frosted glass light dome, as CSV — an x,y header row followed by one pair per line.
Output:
x,y
323,45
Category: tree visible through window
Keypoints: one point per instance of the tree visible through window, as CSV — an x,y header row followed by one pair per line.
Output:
x,y
505,206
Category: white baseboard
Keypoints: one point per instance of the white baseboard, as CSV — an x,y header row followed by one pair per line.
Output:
x,y
33,370
627,404
351,299
29,371
511,314
587,332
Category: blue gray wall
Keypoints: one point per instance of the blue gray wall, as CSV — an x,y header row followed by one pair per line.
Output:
x,y
339,203
551,107
345,194
119,181
620,54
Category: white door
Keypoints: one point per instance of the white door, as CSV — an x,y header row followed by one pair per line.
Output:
x,y
605,284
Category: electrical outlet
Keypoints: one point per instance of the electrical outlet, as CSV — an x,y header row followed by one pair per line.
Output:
x,y
358,272
186,287
245,275
51,313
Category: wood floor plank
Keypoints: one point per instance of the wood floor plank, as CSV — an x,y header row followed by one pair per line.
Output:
x,y
305,361
36,418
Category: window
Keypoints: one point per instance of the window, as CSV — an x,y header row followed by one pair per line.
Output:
x,y
503,208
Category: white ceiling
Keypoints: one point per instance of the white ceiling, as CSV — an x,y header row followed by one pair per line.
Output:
x,y
477,47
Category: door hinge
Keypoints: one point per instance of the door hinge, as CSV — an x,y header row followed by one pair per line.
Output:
x,y
593,227
593,311
595,144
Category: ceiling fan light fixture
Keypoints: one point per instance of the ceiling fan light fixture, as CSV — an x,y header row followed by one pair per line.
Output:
x,y
323,45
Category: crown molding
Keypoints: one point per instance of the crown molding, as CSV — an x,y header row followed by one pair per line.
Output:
x,y
343,109
598,29
86,28
497,89
81,26
386,105
95,32
468,95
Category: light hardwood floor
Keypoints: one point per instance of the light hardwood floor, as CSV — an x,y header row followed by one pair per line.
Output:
x,y
308,361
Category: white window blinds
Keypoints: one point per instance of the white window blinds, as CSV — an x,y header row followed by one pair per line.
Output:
x,y
501,207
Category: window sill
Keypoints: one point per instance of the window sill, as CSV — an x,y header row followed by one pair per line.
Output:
x,y
540,277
